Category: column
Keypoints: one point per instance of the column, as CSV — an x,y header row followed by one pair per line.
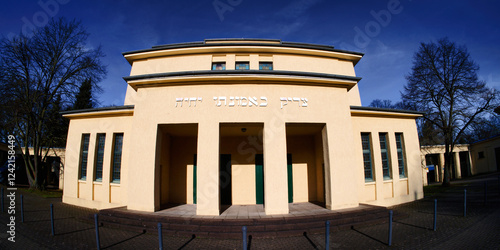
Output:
x,y
275,169
207,188
456,157
424,170
326,159
440,171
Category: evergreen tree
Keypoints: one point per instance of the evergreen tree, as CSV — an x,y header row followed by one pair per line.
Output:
x,y
84,96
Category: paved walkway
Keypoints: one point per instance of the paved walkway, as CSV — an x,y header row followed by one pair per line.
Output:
x,y
480,229
246,211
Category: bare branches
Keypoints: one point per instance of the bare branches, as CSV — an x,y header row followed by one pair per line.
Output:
x,y
40,72
444,84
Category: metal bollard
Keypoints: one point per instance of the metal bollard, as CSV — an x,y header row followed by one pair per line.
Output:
x,y
160,237
22,209
327,234
435,214
465,202
3,206
244,230
98,242
390,228
52,219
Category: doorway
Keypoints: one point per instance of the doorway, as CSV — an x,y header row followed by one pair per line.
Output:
x,y
241,164
176,165
305,163
225,179
259,179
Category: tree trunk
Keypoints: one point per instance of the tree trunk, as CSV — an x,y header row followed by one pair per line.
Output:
x,y
447,165
446,176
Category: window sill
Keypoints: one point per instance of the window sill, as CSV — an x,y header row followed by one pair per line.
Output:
x,y
370,183
82,181
97,182
115,184
403,178
387,181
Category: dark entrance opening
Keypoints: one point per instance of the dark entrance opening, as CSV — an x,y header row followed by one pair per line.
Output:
x,y
289,164
464,164
259,179
225,179
432,161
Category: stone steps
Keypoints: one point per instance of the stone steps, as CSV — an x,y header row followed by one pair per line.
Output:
x,y
232,228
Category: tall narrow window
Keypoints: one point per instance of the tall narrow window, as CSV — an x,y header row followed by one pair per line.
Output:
x,y
242,65
219,66
117,157
265,65
84,153
367,156
386,165
101,139
401,155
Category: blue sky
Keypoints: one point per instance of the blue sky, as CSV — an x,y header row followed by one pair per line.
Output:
x,y
387,31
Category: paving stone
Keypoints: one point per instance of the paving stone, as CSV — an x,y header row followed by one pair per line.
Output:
x,y
412,227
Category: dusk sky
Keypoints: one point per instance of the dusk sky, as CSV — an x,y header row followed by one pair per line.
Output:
x,y
387,31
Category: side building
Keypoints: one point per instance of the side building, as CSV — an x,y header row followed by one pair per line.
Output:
x,y
480,157
238,121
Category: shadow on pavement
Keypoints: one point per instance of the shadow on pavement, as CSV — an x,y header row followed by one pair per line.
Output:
x,y
249,244
125,240
310,241
187,242
75,231
373,238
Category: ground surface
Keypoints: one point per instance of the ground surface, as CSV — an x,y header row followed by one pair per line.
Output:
x,y
480,229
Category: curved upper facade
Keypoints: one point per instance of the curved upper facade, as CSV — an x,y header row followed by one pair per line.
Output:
x,y
243,61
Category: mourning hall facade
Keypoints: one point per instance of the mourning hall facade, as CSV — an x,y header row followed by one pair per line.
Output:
x,y
241,122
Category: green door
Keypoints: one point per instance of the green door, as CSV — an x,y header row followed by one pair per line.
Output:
x,y
259,179
194,180
290,177
225,179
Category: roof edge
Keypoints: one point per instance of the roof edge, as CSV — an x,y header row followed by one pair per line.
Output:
x,y
402,111
243,42
111,108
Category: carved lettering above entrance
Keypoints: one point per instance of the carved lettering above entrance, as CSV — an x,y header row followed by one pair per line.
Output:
x,y
241,101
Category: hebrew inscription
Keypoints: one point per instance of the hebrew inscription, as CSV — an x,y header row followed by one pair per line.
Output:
x,y
241,101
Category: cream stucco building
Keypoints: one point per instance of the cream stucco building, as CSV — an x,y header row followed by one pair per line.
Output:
x,y
239,121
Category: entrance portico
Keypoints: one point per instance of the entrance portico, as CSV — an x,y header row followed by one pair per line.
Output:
x,y
241,122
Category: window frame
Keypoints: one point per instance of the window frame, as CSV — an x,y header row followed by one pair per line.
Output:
x,y
242,62
214,65
262,63
480,155
386,164
367,152
82,173
400,149
116,170
99,157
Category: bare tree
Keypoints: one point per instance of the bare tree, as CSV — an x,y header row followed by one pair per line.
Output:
x,y
443,83
377,103
37,73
